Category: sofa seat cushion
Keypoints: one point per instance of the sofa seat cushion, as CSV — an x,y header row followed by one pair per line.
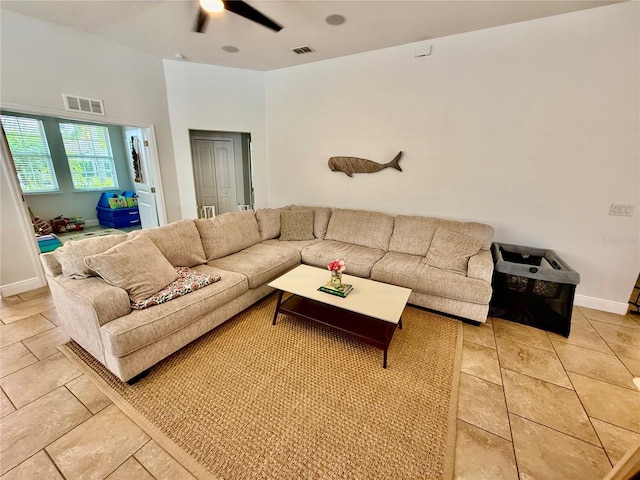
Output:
x,y
358,259
140,328
297,244
188,281
260,263
410,271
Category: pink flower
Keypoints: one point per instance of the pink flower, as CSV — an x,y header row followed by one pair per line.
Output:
x,y
337,266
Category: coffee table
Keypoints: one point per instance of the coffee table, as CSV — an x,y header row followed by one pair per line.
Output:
x,y
370,313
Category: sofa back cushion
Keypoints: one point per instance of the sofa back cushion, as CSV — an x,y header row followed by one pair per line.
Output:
x,y
228,233
72,254
360,227
321,216
479,231
179,242
413,234
451,251
269,222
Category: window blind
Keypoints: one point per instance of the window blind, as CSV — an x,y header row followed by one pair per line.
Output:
x,y
88,150
30,152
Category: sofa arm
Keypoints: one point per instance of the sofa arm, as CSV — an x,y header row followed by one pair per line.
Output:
x,y
92,298
84,305
481,266
51,265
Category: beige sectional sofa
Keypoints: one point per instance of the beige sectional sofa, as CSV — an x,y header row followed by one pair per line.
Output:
x,y
447,264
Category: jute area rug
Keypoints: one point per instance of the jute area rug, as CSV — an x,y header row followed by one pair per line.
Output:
x,y
296,400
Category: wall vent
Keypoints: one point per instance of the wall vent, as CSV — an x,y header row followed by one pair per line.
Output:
x,y
303,49
84,105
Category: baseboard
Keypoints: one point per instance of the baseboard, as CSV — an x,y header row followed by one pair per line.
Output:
x,y
91,223
21,286
601,304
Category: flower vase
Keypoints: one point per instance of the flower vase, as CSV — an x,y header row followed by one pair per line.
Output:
x,y
336,280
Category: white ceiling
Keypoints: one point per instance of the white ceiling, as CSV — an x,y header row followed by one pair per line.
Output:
x,y
162,28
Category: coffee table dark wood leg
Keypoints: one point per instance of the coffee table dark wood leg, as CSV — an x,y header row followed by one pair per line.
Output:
x,y
388,335
275,314
400,324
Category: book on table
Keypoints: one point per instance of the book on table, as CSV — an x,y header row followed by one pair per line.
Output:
x,y
342,291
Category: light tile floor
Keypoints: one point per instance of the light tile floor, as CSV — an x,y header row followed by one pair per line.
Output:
x,y
532,404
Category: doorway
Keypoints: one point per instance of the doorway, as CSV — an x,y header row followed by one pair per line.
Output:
x,y
21,267
222,171
143,174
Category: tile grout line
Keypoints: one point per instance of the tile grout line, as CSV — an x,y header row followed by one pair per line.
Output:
x,y
608,344
567,371
584,408
133,455
55,465
506,404
15,409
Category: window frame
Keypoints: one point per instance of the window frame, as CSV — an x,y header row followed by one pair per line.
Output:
x,y
91,158
17,155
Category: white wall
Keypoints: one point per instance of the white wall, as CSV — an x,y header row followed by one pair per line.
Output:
x,y
532,128
16,235
205,97
41,60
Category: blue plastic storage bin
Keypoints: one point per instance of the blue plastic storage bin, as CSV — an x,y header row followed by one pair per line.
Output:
x,y
119,217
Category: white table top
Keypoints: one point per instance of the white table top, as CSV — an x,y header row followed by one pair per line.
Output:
x,y
374,299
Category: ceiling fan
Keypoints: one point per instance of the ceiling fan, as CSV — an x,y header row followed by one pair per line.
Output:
x,y
236,6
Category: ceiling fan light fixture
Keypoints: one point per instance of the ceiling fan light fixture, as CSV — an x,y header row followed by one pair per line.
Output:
x,y
212,6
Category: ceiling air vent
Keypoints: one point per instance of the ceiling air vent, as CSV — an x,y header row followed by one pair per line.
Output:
x,y
84,105
303,49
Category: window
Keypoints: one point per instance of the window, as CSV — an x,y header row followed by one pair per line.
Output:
x,y
89,155
30,152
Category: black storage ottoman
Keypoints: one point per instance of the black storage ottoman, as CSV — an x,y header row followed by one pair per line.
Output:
x,y
533,286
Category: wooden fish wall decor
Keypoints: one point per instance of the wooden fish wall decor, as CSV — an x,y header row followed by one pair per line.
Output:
x,y
351,165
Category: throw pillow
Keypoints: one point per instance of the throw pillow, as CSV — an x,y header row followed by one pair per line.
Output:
x,y
321,216
296,225
188,281
72,254
136,266
451,251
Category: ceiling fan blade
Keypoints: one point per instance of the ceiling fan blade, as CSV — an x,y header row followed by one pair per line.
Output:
x,y
247,11
201,21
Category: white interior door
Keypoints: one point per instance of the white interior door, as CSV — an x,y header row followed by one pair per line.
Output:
x,y
214,171
205,173
225,175
144,180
